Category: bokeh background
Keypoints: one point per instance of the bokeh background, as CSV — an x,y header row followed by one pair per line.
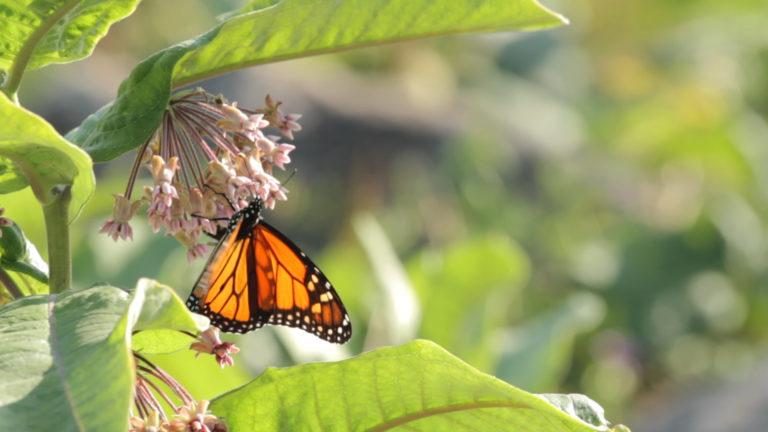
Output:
x,y
576,210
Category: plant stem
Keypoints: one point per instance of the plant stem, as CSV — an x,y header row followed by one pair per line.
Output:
x,y
10,285
25,53
57,231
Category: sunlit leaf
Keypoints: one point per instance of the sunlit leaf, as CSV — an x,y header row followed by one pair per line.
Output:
x,y
418,386
44,157
538,354
56,31
456,286
287,29
11,179
297,28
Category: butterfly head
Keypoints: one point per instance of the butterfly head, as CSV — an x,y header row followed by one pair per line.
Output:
x,y
255,206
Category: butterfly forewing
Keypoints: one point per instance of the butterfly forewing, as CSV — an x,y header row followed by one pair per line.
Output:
x,y
223,291
256,275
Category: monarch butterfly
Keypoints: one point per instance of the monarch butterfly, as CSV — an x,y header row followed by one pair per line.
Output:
x,y
257,276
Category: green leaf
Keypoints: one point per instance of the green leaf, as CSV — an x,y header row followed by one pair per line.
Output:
x,y
287,29
58,352
537,355
457,287
298,28
417,386
19,254
162,319
129,120
55,31
45,158
11,179
55,350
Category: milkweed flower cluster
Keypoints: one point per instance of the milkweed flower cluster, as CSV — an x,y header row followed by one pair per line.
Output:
x,y
148,414
207,159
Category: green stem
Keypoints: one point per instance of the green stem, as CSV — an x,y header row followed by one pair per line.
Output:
x,y
26,51
57,231
10,285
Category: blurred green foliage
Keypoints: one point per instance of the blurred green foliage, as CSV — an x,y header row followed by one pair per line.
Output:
x,y
576,210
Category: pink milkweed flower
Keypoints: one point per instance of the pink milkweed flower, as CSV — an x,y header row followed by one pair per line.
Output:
x,y
150,423
190,240
195,417
209,342
288,124
280,155
235,120
123,211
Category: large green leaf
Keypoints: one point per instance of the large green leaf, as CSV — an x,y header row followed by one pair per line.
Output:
x,y
459,288
44,157
417,387
298,28
65,361
55,31
537,355
287,29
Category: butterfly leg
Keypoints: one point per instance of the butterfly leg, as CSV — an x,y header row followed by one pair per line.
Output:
x,y
223,195
210,219
220,233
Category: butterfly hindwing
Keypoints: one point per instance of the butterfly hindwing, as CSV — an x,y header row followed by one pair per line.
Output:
x,y
299,294
256,275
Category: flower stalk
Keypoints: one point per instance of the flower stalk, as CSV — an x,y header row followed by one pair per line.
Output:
x,y
149,414
10,286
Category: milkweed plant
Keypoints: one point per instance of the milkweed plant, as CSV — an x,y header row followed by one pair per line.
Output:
x,y
81,358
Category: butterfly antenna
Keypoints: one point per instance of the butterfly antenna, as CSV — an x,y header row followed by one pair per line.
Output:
x,y
223,195
290,176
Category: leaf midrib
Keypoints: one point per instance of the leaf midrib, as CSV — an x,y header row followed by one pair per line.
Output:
x,y
418,415
58,362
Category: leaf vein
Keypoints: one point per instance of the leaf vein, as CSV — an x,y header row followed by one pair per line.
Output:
x,y
414,416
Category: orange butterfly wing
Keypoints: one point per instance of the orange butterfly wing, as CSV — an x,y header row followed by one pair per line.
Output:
x,y
224,290
257,276
299,295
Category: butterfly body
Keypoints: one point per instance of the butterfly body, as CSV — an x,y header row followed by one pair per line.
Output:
x,y
257,276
